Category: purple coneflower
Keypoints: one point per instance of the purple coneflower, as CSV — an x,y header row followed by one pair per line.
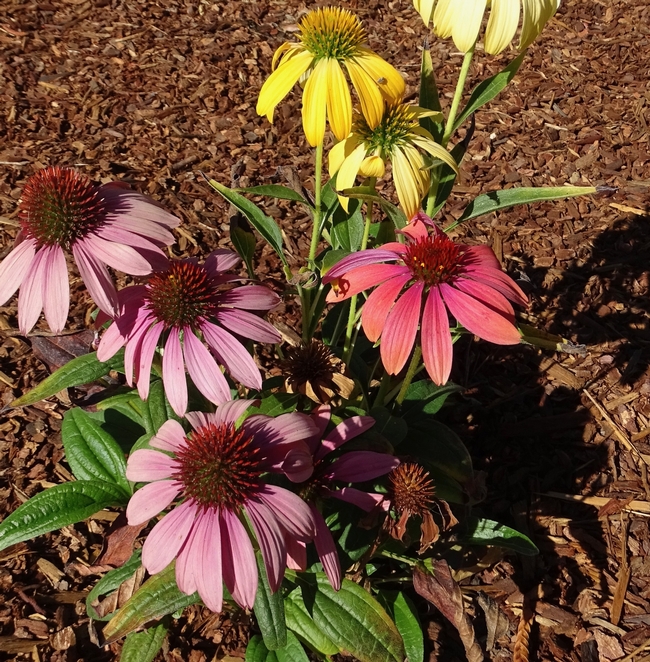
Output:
x,y
432,274
329,479
216,473
175,309
62,211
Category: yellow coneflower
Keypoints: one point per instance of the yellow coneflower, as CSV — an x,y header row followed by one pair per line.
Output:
x,y
397,138
461,20
329,38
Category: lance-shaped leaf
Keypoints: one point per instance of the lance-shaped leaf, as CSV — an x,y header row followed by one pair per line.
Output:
x,y
257,651
82,370
143,646
276,191
302,624
406,619
59,506
156,598
347,227
269,610
488,532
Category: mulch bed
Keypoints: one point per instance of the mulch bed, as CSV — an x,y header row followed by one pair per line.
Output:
x,y
155,91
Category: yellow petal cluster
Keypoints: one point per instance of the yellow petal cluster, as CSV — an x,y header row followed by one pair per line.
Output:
x,y
398,138
461,20
331,40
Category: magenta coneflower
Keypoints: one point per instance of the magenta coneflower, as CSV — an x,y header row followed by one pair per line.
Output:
x,y
438,274
329,479
62,211
176,308
216,473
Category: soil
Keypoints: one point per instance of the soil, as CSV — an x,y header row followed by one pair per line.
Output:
x,y
155,92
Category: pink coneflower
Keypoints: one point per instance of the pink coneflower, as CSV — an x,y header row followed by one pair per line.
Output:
x,y
435,271
216,472
329,478
62,211
175,309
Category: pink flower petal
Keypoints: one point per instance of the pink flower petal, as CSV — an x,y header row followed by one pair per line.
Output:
x,y
363,278
14,268
271,541
150,500
167,537
233,355
250,297
119,256
132,353
321,417
199,419
327,553
30,299
376,308
417,228
232,411
481,256
297,465
128,205
359,466
359,259
479,318
209,575
437,348
296,554
173,373
348,429
499,281
239,566
145,465
248,325
221,260
294,514
96,278
203,370
400,329
285,428
147,351
170,437
56,292
189,556
364,500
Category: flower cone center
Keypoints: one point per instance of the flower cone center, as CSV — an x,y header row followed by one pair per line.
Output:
x,y
219,467
308,362
395,128
332,33
58,206
434,259
412,489
181,295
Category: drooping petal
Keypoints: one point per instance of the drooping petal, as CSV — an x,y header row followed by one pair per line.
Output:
x,y
199,419
437,348
209,575
167,537
170,437
425,9
359,259
221,260
188,559
145,465
406,182
250,297
321,417
502,25
239,566
14,268
292,512
339,153
147,352
339,104
271,541
481,256
364,500
204,370
248,325
30,299
96,278
498,281
359,466
56,292
150,500
314,103
348,429
119,256
141,214
363,278
376,308
296,554
286,428
390,82
133,349
348,172
536,14
173,373
297,465
327,553
487,295
370,98
401,328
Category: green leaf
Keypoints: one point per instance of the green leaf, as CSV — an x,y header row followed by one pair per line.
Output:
x,y
59,506
256,651
276,404
244,243
446,176
91,452
156,598
496,200
264,224
489,88
347,228
82,370
354,621
391,427
293,651
143,646
275,191
269,610
302,624
429,97
331,258
488,532
424,397
369,194
406,619
112,580
120,421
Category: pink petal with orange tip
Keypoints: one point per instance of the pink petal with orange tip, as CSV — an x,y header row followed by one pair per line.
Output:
x,y
376,308
437,348
363,278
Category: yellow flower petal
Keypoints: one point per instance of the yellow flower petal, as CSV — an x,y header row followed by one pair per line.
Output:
x,y
286,48
348,172
390,81
340,152
373,166
536,14
280,82
425,9
461,19
339,104
502,25
406,184
314,104
436,151
443,18
372,103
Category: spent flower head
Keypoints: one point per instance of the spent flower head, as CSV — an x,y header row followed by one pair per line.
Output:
x,y
462,19
216,475
61,211
179,309
397,138
330,38
416,283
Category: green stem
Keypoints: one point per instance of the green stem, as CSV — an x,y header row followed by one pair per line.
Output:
x,y
398,557
458,94
384,388
410,373
352,316
318,184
